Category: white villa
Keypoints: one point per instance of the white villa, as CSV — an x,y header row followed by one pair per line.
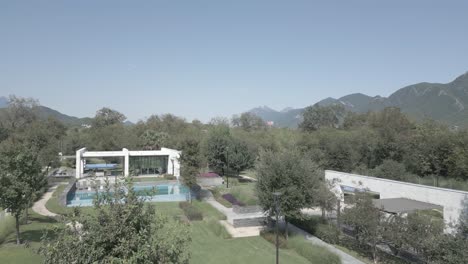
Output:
x,y
141,162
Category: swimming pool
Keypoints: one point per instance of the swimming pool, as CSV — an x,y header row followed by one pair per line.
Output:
x,y
153,193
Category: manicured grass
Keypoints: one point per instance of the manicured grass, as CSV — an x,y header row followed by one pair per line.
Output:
x,y
243,192
31,236
209,243
53,204
207,248
7,226
314,253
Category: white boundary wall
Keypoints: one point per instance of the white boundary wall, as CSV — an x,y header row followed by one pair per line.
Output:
x,y
173,166
453,201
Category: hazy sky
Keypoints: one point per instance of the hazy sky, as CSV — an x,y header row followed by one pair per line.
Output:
x,y
201,59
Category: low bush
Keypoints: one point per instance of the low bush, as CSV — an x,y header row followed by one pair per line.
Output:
x,y
191,212
308,224
328,233
218,229
270,236
313,253
230,198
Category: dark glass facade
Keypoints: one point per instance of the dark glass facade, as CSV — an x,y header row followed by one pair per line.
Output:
x,y
144,165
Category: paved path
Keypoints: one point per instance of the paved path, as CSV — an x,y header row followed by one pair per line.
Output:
x,y
39,206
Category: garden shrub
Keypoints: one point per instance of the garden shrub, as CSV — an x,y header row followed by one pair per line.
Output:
x,y
328,233
308,224
191,212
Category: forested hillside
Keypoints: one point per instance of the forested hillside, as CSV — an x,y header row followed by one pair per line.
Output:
x,y
446,103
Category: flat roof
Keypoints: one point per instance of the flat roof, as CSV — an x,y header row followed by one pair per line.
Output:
x,y
403,205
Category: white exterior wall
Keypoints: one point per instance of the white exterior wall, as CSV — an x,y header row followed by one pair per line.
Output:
x,y
173,155
451,200
79,166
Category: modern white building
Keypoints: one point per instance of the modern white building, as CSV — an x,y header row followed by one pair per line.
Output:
x,y
403,197
140,162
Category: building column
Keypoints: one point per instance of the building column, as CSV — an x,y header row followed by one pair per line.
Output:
x,y
126,162
79,164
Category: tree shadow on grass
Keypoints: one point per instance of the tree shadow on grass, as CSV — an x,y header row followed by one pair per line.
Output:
x,y
41,220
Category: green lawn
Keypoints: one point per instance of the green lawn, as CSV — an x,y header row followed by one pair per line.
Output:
x,y
208,245
244,192
31,234
53,204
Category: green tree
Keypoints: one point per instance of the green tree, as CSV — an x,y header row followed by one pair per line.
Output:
x,y
123,229
392,170
248,121
240,156
20,179
316,117
215,147
190,161
288,172
107,117
366,221
153,140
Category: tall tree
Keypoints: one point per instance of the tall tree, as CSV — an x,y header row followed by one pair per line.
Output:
x,y
240,156
107,117
190,161
366,221
153,140
215,147
316,117
248,121
20,178
289,173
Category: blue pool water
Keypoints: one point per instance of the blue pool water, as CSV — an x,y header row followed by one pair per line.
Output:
x,y
154,193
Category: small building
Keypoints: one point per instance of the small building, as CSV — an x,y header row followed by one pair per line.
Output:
x,y
139,162
396,197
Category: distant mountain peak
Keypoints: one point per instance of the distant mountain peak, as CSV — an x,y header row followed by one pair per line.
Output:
x,y
286,109
447,103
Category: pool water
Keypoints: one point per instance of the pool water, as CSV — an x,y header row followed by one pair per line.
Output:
x,y
154,193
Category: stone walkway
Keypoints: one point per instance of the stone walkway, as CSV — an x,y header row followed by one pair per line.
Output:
x,y
39,206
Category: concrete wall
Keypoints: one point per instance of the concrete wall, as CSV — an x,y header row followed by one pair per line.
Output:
x,y
452,201
246,209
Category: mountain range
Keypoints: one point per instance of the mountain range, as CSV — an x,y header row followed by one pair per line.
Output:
x,y
45,112
447,103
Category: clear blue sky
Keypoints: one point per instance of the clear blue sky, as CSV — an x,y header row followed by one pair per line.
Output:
x,y
201,59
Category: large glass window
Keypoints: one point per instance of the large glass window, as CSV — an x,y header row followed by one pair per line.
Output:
x,y
144,165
